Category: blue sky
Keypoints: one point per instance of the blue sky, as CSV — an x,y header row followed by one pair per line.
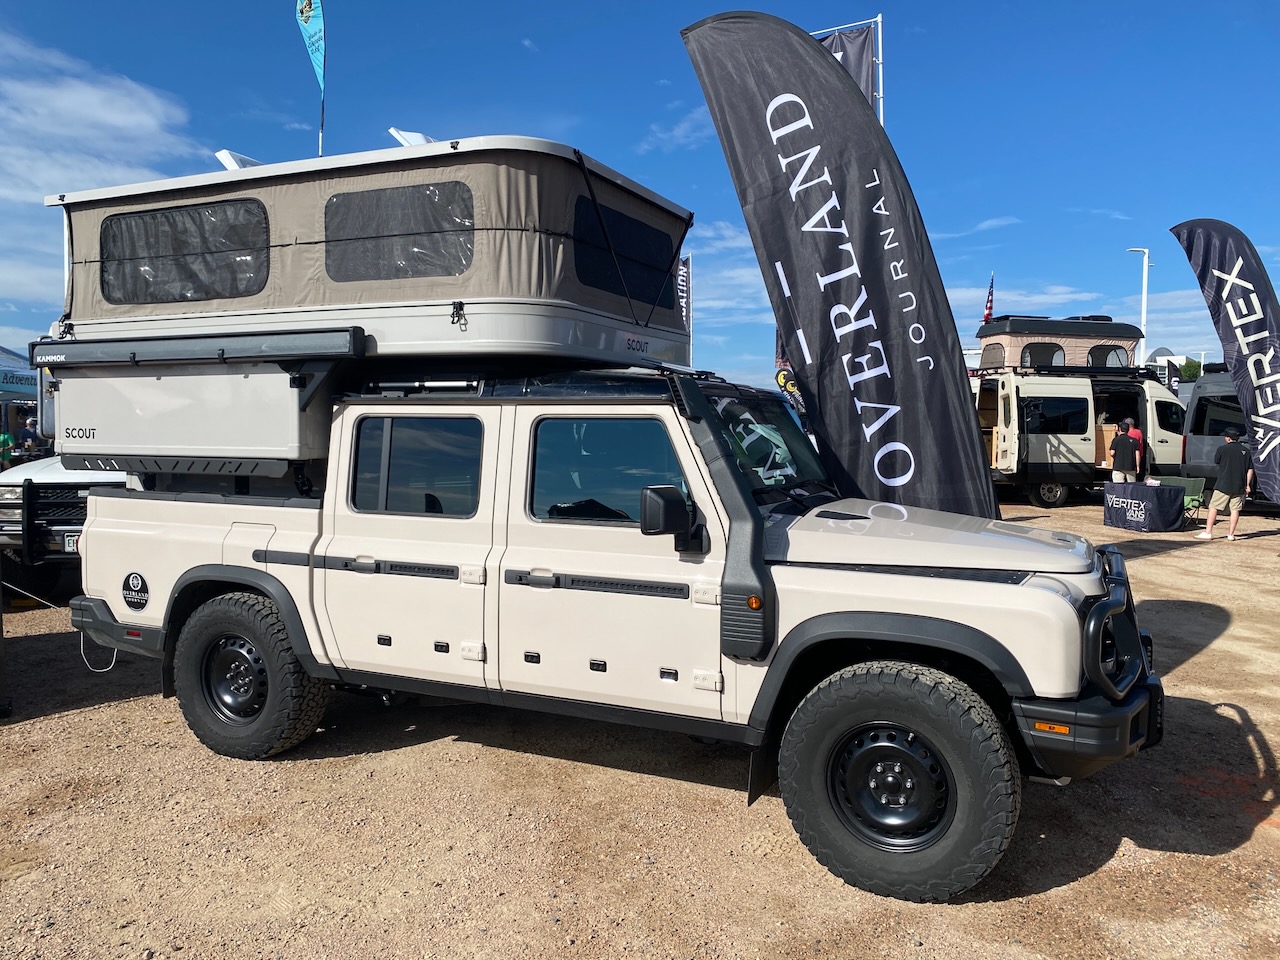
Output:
x,y
1041,140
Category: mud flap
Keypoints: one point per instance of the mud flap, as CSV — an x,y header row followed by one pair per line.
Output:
x,y
763,772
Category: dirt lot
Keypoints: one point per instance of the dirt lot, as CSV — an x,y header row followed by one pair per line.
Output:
x,y
415,831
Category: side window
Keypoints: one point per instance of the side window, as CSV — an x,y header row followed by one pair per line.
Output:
x,y
418,466
423,230
180,254
1169,416
1058,415
594,469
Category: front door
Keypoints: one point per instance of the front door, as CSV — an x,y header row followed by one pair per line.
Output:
x,y
401,572
589,607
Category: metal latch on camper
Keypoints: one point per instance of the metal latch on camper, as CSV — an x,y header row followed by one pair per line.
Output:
x,y
473,651
473,574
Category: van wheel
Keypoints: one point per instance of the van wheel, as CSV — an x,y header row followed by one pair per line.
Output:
x,y
242,689
1048,494
900,780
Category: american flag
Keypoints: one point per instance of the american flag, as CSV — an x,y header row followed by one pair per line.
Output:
x,y
991,293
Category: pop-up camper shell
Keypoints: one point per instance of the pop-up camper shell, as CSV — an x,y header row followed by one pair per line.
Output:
x,y
281,274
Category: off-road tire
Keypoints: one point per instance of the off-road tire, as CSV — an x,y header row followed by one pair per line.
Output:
x,y
956,795
240,685
1048,495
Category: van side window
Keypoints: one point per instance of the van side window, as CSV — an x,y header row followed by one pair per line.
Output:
x,y
594,469
1214,414
1169,416
1057,415
418,465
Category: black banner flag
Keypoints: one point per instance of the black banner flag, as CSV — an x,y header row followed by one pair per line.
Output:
x,y
849,270
856,51
1243,306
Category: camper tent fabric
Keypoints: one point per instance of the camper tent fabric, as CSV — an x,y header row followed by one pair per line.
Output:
x,y
495,224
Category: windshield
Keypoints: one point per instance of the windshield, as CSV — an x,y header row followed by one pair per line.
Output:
x,y
766,439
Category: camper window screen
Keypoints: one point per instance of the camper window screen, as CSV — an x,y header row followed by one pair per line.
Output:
x,y
201,252
643,252
426,230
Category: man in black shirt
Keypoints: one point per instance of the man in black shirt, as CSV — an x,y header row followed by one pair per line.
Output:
x,y
1235,480
1124,456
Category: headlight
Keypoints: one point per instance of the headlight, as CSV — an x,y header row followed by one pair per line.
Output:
x,y
10,493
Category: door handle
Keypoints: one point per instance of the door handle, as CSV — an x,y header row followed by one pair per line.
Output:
x,y
535,580
361,565
1162,441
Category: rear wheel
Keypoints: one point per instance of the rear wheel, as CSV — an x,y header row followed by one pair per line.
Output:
x,y
900,780
240,685
1048,494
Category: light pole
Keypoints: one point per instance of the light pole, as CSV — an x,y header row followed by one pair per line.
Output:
x,y
1146,265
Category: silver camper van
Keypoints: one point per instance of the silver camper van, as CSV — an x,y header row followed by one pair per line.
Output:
x,y
1211,408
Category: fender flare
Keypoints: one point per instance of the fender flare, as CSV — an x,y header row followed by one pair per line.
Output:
x,y
269,587
939,634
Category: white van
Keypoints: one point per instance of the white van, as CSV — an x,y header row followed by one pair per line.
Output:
x,y
1050,430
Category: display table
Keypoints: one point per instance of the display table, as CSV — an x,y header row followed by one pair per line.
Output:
x,y
1137,506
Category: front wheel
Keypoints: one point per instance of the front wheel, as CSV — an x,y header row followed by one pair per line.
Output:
x,y
240,685
1048,494
900,780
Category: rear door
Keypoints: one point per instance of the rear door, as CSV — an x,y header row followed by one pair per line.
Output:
x,y
400,571
1059,432
1007,424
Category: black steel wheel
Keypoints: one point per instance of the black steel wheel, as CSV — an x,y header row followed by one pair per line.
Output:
x,y
234,679
891,787
900,780
1048,494
241,687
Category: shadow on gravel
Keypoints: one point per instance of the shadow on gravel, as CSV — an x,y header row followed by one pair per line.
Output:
x,y
44,674
1204,791
355,725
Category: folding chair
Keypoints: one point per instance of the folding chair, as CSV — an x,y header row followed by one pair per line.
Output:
x,y
1192,496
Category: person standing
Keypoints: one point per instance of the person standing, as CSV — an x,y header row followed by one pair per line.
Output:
x,y
1137,437
1235,480
1124,456
6,448
28,436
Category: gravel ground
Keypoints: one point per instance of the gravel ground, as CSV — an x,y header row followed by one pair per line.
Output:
x,y
462,831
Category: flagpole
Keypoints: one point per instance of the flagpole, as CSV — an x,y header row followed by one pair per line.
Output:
x,y
880,65
878,22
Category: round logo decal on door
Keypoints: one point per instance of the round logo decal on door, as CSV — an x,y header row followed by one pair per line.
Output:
x,y
135,591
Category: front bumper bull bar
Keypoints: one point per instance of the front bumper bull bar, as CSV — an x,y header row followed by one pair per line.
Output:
x,y
1120,711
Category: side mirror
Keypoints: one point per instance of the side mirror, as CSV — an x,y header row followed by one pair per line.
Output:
x,y
663,510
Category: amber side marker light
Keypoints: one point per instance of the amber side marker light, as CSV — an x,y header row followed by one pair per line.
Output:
x,y
754,602
1051,727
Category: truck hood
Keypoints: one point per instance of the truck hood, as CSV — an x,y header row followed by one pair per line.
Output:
x,y
866,532
51,470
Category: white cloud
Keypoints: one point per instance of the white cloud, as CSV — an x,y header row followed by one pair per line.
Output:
x,y
716,237
1109,214
529,45
690,131
991,224
66,126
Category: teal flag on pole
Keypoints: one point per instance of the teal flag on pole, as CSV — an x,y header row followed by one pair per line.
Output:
x,y
311,23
